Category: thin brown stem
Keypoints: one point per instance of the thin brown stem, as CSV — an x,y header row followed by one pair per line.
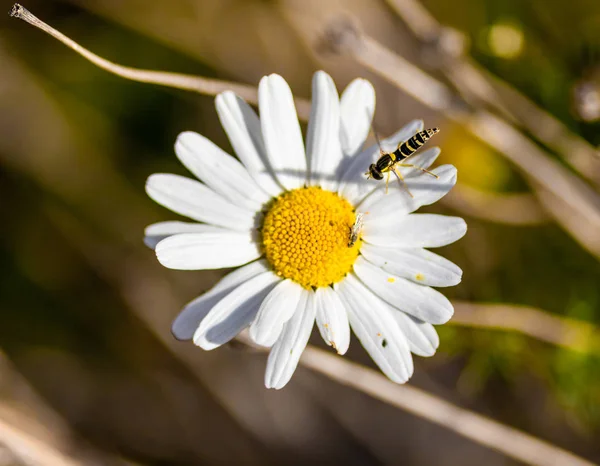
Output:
x,y
511,209
473,81
572,334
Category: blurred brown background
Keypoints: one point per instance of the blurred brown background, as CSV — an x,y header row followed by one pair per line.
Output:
x,y
88,365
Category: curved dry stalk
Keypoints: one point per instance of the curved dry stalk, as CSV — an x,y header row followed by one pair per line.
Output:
x,y
572,334
472,80
201,85
510,209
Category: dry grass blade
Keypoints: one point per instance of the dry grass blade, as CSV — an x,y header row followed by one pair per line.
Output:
x,y
471,80
34,432
511,442
572,334
510,209
29,448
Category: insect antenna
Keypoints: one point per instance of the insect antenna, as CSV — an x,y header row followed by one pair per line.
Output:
x,y
381,151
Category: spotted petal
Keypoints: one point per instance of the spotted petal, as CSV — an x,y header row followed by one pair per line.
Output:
x,y
420,301
422,337
416,264
373,323
332,319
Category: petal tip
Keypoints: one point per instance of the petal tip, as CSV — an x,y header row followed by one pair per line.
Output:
x,y
444,317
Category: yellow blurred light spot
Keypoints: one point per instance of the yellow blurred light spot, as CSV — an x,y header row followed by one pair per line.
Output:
x,y
478,165
420,277
391,279
505,40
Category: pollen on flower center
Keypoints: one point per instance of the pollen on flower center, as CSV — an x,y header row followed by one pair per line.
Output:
x,y
305,237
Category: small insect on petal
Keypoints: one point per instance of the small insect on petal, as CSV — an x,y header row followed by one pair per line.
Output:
x,y
356,229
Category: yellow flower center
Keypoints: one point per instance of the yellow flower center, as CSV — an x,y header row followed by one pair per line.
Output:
x,y
305,237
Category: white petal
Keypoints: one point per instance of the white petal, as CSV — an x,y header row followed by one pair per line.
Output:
x,y
354,184
373,323
243,130
323,149
209,250
285,354
425,190
155,233
234,312
414,230
357,107
188,320
332,319
420,301
422,159
219,170
276,309
194,200
422,337
281,131
417,265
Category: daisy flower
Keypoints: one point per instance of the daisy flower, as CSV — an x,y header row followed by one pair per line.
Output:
x,y
283,214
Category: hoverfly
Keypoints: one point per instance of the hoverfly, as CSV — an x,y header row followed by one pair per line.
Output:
x,y
389,162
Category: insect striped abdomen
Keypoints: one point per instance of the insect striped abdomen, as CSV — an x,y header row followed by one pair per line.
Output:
x,y
410,146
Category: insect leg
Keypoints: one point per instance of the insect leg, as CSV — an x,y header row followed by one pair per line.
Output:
x,y
418,168
401,180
